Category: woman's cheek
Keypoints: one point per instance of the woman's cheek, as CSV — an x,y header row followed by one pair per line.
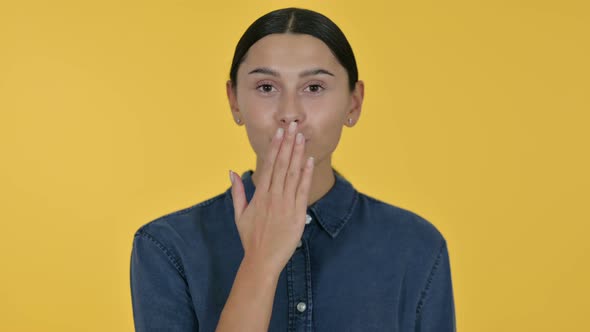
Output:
x,y
315,102
257,139
259,128
330,100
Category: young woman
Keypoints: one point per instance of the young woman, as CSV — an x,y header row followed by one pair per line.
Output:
x,y
292,246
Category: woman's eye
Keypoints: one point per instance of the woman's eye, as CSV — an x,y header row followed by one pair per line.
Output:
x,y
314,88
266,88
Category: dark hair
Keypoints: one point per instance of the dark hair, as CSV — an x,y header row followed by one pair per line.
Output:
x,y
297,21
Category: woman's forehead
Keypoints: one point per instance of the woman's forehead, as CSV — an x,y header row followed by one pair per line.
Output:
x,y
290,53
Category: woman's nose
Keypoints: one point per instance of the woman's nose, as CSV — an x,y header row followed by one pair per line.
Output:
x,y
290,109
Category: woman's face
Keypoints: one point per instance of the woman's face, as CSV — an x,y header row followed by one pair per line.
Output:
x,y
294,77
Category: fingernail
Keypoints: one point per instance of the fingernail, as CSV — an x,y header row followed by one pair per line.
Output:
x,y
231,177
280,132
310,162
299,138
292,126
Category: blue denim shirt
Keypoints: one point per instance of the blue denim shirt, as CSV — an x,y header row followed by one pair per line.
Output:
x,y
362,265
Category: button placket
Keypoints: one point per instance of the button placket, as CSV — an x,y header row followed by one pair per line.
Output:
x,y
299,285
307,222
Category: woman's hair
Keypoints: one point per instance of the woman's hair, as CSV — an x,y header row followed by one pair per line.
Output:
x,y
297,21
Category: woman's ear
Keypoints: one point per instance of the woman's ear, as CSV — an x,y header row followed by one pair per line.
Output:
x,y
233,102
356,104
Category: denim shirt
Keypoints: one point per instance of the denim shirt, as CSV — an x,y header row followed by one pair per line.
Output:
x,y
362,265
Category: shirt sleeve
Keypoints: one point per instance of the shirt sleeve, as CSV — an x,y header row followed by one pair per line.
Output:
x,y
160,296
436,308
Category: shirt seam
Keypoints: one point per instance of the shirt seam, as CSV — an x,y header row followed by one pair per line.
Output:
x,y
426,289
171,257
198,205
398,208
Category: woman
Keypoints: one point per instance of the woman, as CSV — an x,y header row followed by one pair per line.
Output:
x,y
292,246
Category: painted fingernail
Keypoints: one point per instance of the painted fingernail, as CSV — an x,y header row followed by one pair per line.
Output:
x,y
310,162
292,126
280,132
231,177
299,138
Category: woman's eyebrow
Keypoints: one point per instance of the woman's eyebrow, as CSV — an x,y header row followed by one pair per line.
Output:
x,y
271,72
317,71
264,70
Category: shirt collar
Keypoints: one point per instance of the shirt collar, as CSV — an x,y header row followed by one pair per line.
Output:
x,y
332,211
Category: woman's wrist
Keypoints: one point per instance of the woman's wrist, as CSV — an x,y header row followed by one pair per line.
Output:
x,y
262,269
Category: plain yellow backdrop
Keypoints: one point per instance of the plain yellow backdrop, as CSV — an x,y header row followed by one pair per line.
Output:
x,y
113,113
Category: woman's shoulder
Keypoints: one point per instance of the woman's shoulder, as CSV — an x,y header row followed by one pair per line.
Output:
x,y
173,226
407,224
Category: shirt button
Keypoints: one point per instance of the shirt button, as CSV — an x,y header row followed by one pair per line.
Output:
x,y
301,307
307,219
299,244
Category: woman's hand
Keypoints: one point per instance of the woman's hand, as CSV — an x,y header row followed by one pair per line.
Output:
x,y
272,224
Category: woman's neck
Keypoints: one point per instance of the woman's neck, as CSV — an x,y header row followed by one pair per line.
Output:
x,y
322,180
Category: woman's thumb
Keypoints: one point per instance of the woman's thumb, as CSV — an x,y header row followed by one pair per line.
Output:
x,y
238,195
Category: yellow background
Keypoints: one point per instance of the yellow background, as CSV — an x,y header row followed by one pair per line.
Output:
x,y
476,117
